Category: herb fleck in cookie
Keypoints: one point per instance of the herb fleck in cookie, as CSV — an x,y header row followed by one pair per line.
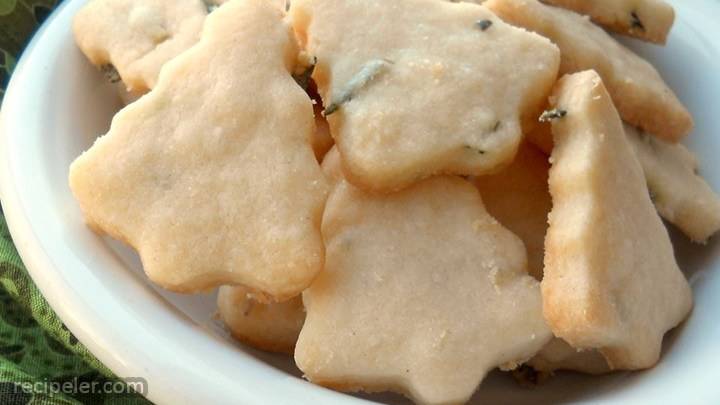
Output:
x,y
211,176
414,88
649,20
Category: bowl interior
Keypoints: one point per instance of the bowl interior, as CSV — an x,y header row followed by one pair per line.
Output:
x,y
58,104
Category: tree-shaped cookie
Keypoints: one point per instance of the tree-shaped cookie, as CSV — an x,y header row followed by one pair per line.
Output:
x,y
413,88
210,176
611,280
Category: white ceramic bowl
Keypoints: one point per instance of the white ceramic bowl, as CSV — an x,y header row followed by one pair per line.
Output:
x,y
57,104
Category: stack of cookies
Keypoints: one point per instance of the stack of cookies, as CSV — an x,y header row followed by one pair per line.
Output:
x,y
406,194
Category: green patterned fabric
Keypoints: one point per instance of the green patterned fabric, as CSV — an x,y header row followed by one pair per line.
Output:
x,y
41,362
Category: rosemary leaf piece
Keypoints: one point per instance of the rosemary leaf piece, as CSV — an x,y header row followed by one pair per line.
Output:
x,y
474,149
210,6
528,377
635,21
553,114
484,24
111,74
368,72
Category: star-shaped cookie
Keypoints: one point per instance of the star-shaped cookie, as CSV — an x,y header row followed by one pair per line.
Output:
x,y
414,88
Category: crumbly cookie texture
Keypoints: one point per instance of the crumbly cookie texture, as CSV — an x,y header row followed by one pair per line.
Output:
x,y
137,37
518,197
679,193
611,280
423,293
639,93
558,355
414,88
269,326
649,20
211,176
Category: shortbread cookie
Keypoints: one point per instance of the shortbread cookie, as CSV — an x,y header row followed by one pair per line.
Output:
x,y
518,197
639,93
423,293
272,327
210,176
558,355
680,194
413,88
649,20
611,280
137,37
